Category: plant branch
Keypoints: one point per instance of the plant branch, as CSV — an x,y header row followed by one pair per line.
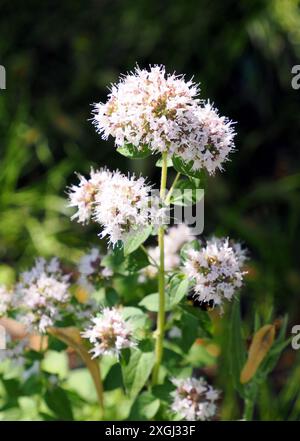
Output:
x,y
161,281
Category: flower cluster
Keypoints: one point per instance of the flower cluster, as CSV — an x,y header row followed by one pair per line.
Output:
x,y
109,334
177,236
5,300
121,204
41,294
163,112
214,141
194,400
91,271
216,270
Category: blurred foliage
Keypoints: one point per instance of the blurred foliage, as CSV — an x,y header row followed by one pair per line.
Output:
x,y
60,57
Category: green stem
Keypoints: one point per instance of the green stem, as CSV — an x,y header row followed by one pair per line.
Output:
x,y
161,281
170,192
249,409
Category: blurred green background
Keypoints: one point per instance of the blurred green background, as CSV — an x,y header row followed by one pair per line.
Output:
x,y
60,58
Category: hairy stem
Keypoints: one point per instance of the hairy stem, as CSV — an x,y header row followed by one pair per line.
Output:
x,y
161,281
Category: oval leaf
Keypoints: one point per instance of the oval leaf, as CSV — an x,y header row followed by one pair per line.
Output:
x,y
136,239
131,151
186,168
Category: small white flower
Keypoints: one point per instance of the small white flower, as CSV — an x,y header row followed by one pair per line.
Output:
x,y
109,334
216,270
194,400
42,292
5,300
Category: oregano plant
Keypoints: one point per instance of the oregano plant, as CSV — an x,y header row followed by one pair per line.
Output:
x,y
142,308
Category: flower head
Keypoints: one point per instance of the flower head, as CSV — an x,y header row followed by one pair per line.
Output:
x,y
121,204
216,270
109,334
42,292
209,146
148,107
194,400
163,112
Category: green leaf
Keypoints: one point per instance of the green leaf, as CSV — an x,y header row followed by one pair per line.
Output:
x,y
144,408
193,245
186,193
236,348
115,259
57,400
137,260
178,289
136,239
32,386
159,162
111,297
137,371
189,329
121,264
163,391
135,316
186,168
202,317
113,379
34,355
130,151
151,302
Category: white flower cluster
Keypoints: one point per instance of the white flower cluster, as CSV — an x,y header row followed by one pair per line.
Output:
x,y
109,334
214,141
121,204
177,236
216,270
90,269
162,111
42,293
194,400
5,300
